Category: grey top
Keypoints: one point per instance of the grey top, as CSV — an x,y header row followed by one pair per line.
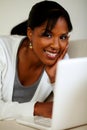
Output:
x,y
23,94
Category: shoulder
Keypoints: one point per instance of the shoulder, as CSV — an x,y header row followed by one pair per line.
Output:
x,y
10,42
10,38
9,46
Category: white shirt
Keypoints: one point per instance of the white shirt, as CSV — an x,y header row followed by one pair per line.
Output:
x,y
8,109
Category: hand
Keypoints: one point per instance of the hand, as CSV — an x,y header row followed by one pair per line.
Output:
x,y
43,109
51,70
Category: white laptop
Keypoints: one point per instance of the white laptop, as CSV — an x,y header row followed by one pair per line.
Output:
x,y
70,98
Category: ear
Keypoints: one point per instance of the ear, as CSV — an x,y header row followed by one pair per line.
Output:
x,y
29,33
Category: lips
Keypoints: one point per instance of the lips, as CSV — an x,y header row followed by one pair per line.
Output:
x,y
52,55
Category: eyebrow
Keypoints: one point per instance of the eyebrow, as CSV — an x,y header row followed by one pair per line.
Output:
x,y
65,33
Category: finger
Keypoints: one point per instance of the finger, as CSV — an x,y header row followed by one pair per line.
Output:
x,y
64,52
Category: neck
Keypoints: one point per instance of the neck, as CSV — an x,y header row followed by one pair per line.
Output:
x,y
34,60
28,57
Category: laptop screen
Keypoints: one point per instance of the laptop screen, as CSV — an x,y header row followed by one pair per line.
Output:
x,y
70,94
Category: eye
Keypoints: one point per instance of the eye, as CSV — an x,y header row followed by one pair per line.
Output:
x,y
64,37
47,34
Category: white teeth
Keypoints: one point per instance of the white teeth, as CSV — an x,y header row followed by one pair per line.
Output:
x,y
51,54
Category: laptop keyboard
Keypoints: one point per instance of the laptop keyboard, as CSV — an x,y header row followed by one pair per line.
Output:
x,y
42,121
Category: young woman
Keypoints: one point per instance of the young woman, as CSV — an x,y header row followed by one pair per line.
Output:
x,y
28,63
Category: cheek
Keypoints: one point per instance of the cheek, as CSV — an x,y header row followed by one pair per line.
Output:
x,y
40,43
64,45
37,45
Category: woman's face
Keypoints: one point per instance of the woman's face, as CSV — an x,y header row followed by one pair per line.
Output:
x,y
48,46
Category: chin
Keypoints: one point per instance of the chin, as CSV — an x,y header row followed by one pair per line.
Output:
x,y
50,63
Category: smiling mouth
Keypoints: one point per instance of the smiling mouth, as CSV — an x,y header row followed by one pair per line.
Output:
x,y
52,55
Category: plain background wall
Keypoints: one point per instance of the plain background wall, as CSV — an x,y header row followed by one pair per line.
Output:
x,y
13,12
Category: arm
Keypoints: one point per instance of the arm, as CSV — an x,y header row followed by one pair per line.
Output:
x,y
14,110
43,109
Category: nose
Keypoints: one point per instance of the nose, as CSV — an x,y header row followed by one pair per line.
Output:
x,y
55,44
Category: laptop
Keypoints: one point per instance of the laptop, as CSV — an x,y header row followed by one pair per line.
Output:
x,y
70,98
